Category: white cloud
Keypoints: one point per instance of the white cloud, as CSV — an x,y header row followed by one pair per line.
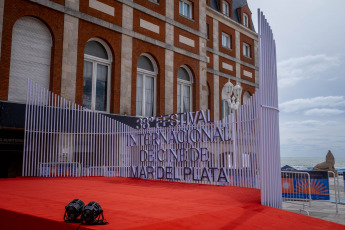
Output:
x,y
323,112
309,123
320,103
311,137
293,70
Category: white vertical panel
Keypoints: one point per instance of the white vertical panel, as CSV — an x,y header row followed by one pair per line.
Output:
x,y
271,194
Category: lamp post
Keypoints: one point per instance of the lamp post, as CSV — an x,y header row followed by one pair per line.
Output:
x,y
232,95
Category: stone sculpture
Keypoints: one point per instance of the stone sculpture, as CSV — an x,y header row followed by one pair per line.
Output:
x,y
328,165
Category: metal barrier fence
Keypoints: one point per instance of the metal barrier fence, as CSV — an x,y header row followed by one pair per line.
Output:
x,y
296,186
307,186
336,189
64,139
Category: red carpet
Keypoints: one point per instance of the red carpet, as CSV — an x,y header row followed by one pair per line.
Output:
x,y
38,203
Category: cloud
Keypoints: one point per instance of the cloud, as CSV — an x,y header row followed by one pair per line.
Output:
x,y
317,105
293,70
323,112
308,123
311,137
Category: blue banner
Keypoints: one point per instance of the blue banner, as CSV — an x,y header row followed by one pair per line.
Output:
x,y
298,188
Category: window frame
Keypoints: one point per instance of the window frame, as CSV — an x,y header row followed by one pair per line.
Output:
x,y
154,1
228,36
95,61
246,47
246,20
146,73
185,83
227,13
181,12
224,112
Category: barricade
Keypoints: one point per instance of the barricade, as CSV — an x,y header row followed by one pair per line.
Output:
x,y
60,169
296,186
336,190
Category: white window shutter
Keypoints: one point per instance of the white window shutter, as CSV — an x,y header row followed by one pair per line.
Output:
x,y
30,57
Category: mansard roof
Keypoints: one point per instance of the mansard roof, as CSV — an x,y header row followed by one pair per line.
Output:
x,y
236,4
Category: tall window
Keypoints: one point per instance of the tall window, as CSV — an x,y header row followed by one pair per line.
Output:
x,y
30,57
245,20
146,86
184,90
225,105
226,41
96,83
225,109
185,8
226,8
246,50
246,96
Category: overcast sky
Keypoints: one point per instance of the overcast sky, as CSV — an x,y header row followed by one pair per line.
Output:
x,y
310,39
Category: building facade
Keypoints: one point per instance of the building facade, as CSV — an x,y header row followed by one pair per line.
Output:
x,y
127,57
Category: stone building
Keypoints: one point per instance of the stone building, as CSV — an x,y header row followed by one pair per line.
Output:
x,y
125,57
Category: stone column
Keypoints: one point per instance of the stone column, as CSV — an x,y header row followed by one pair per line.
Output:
x,y
216,98
202,52
215,35
216,88
169,61
126,62
238,53
2,5
70,53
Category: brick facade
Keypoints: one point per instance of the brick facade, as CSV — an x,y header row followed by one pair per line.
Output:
x,y
148,31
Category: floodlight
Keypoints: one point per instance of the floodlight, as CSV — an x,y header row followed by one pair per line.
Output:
x,y
73,211
93,214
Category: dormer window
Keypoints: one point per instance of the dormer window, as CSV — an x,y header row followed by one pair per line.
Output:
x,y
226,8
245,20
185,8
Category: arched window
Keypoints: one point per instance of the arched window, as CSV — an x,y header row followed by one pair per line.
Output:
x,y
96,79
246,96
225,105
225,109
30,57
146,86
184,89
